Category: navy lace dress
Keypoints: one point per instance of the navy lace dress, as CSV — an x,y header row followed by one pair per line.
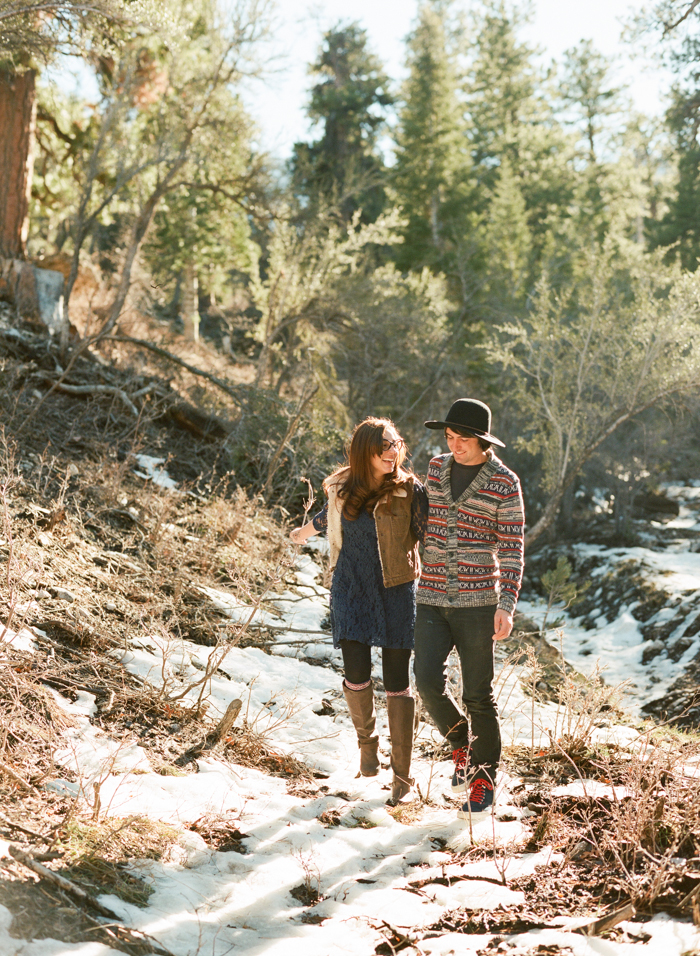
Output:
x,y
362,609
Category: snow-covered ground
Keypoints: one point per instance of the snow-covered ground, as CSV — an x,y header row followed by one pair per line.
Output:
x,y
649,667
362,868
335,837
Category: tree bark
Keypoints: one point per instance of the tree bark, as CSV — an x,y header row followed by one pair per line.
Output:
x,y
190,303
17,123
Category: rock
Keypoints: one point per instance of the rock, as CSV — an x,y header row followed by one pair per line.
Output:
x,y
49,294
110,606
654,503
72,470
62,594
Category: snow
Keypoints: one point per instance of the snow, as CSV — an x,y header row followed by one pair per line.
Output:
x,y
152,471
619,645
373,867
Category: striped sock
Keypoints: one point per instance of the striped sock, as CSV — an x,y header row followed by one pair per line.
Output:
x,y
357,686
399,693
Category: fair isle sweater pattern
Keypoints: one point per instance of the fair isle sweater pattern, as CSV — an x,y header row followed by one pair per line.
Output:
x,y
473,548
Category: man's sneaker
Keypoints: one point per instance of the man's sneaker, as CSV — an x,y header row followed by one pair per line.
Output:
x,y
480,800
459,777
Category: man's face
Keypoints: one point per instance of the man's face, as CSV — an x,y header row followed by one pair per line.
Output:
x,y
465,448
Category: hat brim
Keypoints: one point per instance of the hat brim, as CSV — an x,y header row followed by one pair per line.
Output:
x,y
472,431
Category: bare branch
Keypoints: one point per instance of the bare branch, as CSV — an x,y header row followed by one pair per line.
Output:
x,y
684,16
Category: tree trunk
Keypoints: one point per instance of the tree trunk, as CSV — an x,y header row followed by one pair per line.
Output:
x,y
190,303
17,122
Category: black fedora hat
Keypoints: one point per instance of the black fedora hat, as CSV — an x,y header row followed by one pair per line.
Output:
x,y
471,415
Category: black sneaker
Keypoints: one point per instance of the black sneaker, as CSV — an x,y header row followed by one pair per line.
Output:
x,y
480,802
459,777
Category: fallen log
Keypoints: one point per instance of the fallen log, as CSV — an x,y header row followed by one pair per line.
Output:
x,y
604,923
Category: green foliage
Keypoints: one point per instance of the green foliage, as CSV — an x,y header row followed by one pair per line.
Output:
x,y
561,591
344,166
619,337
311,450
65,133
680,46
169,124
430,176
512,117
296,291
204,221
33,29
390,345
587,91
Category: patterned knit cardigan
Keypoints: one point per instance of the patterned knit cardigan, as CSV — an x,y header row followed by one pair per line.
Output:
x,y
473,550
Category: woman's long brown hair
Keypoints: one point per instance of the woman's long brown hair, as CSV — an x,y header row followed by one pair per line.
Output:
x,y
358,486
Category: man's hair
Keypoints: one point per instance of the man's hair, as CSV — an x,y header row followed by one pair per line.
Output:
x,y
465,433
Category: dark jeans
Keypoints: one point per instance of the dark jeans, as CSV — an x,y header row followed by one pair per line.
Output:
x,y
357,663
470,631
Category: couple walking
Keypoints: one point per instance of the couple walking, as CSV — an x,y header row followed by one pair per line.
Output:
x,y
469,519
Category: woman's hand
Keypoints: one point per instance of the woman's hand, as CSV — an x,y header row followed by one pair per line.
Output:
x,y
299,535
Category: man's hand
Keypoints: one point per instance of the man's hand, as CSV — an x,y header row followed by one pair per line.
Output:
x,y
503,625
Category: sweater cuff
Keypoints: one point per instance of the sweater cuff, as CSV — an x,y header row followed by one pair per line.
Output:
x,y
507,603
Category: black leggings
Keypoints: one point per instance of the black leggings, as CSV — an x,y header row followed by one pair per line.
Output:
x,y
357,661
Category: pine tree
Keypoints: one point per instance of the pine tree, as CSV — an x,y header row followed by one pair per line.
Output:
x,y
588,93
431,174
30,33
507,243
512,119
344,166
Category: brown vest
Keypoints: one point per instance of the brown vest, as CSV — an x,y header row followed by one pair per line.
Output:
x,y
398,547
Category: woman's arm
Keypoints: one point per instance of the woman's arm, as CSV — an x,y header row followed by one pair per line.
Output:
x,y
419,511
317,524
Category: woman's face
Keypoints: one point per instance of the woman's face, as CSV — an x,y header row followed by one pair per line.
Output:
x,y
385,463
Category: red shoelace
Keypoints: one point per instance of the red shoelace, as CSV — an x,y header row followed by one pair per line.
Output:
x,y
477,790
460,757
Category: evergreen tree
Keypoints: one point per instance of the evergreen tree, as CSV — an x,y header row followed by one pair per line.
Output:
x,y
678,26
31,33
587,92
679,228
512,119
431,174
344,166
507,243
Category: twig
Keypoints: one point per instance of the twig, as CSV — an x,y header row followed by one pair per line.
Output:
x,y
226,722
18,826
78,894
95,390
26,859
214,736
236,393
15,776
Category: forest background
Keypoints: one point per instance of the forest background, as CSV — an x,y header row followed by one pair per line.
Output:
x,y
488,227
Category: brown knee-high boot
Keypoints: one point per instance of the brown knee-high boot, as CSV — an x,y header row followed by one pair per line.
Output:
x,y
364,718
401,711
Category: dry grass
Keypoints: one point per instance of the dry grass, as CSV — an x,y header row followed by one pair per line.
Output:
x,y
96,855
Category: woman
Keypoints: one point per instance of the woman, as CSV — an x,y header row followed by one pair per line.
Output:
x,y
375,516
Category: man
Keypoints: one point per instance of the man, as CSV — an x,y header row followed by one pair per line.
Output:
x,y
472,571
